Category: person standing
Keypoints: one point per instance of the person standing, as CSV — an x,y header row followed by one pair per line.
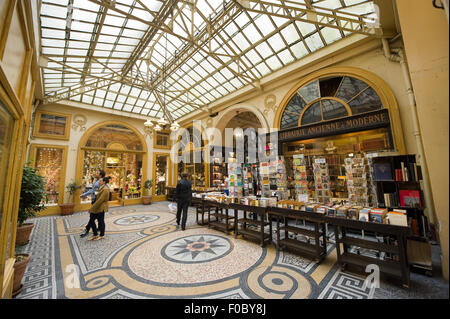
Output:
x,y
98,209
183,194
99,174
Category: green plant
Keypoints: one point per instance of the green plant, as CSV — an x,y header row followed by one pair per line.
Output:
x,y
72,188
32,194
148,184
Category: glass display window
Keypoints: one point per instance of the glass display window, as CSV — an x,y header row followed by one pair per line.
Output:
x,y
329,98
161,174
49,162
117,150
162,140
6,131
52,125
93,162
133,172
335,149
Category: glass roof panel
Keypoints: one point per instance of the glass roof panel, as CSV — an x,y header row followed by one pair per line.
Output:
x,y
200,64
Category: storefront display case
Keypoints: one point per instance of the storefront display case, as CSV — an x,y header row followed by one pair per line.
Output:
x,y
117,150
49,162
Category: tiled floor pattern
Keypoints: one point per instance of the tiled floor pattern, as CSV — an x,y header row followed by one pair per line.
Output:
x,y
143,255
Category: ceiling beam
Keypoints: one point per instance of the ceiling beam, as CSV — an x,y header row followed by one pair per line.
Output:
x,y
323,17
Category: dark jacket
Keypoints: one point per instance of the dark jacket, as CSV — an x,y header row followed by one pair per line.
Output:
x,y
183,192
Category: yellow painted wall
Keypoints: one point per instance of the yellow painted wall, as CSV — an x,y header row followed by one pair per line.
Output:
x,y
425,32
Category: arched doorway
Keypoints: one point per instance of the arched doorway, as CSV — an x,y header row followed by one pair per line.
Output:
x,y
119,150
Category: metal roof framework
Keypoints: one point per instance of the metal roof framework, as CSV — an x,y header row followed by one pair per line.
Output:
x,y
169,58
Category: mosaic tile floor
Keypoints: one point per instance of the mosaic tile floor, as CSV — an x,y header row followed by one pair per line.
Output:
x,y
143,255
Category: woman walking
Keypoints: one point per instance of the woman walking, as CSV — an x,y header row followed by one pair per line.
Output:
x,y
98,209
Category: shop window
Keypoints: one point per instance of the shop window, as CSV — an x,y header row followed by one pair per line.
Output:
x,y
162,140
117,150
161,172
48,162
6,131
52,125
329,98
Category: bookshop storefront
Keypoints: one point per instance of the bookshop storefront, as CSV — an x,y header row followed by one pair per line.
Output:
x,y
334,118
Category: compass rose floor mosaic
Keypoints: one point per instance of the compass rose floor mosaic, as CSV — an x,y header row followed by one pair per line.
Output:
x,y
143,255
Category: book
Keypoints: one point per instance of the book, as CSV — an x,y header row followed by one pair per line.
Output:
x,y
382,171
410,198
332,211
341,212
377,215
364,214
353,213
397,218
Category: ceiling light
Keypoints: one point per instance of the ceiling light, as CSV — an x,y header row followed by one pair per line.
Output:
x,y
162,121
148,124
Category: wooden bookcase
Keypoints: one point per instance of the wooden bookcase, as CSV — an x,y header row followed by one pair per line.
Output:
x,y
400,182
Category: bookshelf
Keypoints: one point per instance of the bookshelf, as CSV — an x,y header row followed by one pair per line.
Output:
x,y
398,189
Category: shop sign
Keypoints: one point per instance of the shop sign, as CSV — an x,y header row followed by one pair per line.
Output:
x,y
355,123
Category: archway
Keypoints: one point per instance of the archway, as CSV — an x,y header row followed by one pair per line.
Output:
x,y
121,151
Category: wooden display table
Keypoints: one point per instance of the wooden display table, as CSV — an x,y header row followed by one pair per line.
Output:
x,y
201,208
317,250
260,223
223,221
394,244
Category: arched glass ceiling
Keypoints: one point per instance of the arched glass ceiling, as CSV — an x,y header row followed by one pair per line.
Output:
x,y
169,58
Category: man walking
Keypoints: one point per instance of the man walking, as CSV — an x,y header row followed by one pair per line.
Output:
x,y
183,193
100,174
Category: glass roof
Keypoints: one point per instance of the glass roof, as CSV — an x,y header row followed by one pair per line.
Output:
x,y
169,58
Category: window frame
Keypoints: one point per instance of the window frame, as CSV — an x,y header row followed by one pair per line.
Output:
x,y
37,125
62,182
155,138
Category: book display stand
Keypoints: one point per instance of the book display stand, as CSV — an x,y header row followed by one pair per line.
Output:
x,y
235,175
358,181
274,179
300,178
321,181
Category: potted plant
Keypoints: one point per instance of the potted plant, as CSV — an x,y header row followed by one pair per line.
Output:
x,y
147,198
32,194
67,208
19,269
